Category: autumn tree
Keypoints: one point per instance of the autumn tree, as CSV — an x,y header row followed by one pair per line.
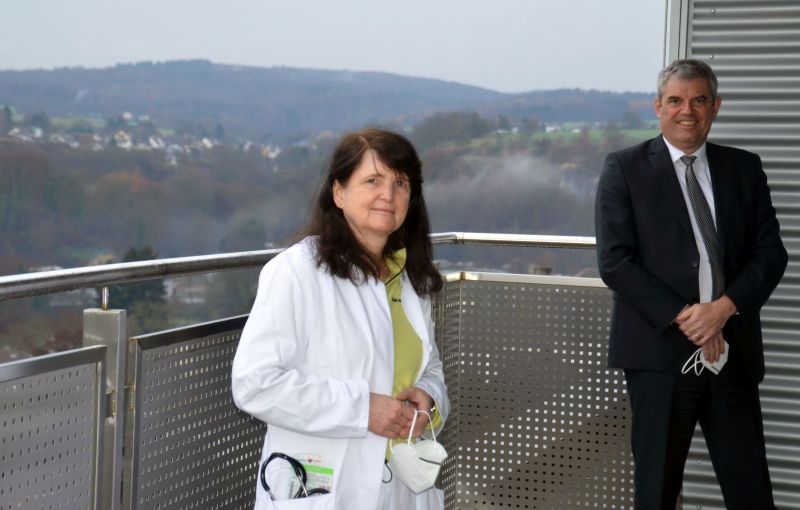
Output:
x,y
631,120
40,120
529,124
449,127
6,120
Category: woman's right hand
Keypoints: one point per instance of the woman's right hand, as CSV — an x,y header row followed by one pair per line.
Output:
x,y
389,417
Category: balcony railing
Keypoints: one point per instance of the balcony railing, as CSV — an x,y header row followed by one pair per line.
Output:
x,y
538,420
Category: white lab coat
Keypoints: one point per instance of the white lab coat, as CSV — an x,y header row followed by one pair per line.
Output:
x,y
312,350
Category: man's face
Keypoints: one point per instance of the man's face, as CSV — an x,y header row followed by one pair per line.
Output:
x,y
686,111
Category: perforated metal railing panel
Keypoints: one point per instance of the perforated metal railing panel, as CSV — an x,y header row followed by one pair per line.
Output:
x,y
192,448
447,319
49,412
540,422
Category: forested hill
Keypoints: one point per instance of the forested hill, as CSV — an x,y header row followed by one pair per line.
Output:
x,y
247,101
261,103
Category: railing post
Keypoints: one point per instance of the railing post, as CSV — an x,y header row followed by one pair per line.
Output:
x,y
108,328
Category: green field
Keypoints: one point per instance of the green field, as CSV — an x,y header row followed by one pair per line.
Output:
x,y
596,134
71,122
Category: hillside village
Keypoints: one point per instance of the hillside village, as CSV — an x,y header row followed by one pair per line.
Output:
x,y
126,133
131,132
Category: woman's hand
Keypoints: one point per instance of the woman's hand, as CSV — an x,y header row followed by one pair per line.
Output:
x,y
421,401
389,417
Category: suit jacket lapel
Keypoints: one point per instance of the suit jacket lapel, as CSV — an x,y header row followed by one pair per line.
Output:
x,y
665,178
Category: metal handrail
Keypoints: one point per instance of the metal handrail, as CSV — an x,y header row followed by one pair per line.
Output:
x,y
48,282
534,241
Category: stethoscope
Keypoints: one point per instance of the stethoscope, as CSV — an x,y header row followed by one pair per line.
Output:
x,y
299,471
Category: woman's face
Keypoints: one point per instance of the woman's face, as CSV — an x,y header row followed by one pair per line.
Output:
x,y
374,201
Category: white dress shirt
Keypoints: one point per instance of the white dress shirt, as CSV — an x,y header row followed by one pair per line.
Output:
x,y
701,171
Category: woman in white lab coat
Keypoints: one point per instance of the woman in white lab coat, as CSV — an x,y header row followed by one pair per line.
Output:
x,y
338,350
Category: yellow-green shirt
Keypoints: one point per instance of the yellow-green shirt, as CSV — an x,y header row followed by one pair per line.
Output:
x,y
407,344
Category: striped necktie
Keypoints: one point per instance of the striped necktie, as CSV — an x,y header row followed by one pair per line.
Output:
x,y
705,223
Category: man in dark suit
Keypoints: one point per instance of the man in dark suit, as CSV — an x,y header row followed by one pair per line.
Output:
x,y
688,240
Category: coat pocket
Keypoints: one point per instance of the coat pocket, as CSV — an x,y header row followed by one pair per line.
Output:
x,y
323,502
288,458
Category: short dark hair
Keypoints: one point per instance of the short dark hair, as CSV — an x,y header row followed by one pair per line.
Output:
x,y
338,249
687,69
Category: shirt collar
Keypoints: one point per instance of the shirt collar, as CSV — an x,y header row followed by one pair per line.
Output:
x,y
675,153
395,263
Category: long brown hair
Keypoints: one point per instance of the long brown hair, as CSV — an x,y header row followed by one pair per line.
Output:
x,y
338,248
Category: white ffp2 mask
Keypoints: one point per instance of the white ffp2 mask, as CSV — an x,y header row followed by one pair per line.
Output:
x,y
417,464
697,361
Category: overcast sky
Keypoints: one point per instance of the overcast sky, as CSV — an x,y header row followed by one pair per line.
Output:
x,y
505,45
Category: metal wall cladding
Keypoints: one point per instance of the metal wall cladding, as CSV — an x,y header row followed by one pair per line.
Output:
x,y
49,437
754,47
191,448
539,421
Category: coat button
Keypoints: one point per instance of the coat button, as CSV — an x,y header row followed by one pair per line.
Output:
x,y
694,263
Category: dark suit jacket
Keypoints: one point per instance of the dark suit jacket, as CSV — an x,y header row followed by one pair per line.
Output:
x,y
647,253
